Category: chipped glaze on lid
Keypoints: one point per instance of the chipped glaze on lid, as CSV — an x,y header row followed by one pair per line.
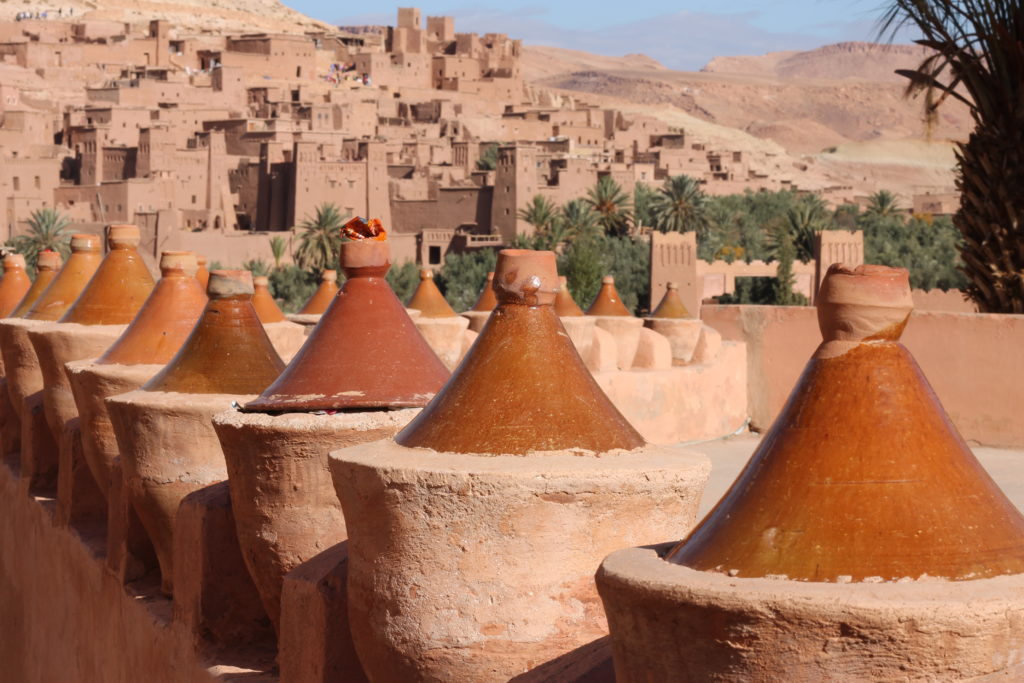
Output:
x,y
228,351
165,319
428,300
70,281
48,264
119,286
522,387
608,301
365,352
671,305
324,294
862,476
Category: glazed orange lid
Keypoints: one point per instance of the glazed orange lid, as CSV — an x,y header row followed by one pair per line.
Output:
x,y
608,301
263,302
228,351
487,300
862,476
522,387
565,305
70,281
428,300
324,294
120,285
48,264
365,352
14,284
671,305
202,274
165,319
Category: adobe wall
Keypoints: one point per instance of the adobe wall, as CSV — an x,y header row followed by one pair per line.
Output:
x,y
976,368
65,617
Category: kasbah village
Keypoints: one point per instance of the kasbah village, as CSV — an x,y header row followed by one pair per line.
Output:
x,y
395,353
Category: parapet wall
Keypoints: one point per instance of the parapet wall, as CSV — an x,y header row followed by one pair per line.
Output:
x,y
972,360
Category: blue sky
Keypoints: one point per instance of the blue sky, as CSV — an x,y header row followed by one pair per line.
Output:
x,y
684,34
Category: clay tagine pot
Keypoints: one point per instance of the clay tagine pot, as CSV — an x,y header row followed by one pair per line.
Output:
x,y
48,264
120,285
228,351
428,300
14,285
384,361
673,321
861,512
613,317
163,323
565,305
671,305
608,301
266,308
164,430
559,404
838,506
70,281
202,274
519,444
283,501
324,294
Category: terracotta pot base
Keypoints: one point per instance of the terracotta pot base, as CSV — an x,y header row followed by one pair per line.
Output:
x,y
626,331
480,567
21,364
92,384
682,333
445,337
168,449
285,507
57,344
669,622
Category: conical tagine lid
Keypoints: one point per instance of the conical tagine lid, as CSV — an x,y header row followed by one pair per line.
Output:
x,y
202,274
266,307
671,305
565,305
166,319
14,285
365,352
324,294
522,387
608,301
862,475
120,285
70,281
428,300
487,300
47,266
228,352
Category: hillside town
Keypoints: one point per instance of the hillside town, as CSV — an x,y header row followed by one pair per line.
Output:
x,y
202,139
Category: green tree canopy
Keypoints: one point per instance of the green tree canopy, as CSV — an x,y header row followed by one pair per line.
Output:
x,y
320,239
612,205
47,229
680,206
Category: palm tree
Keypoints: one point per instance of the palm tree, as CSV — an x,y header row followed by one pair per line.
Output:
x,y
541,213
612,205
680,206
320,240
883,204
579,220
488,160
278,246
806,217
644,199
47,229
978,59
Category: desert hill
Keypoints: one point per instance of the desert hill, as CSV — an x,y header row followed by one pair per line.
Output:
x,y
191,16
805,101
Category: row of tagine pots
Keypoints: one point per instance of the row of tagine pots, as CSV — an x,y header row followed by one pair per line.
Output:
x,y
862,541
